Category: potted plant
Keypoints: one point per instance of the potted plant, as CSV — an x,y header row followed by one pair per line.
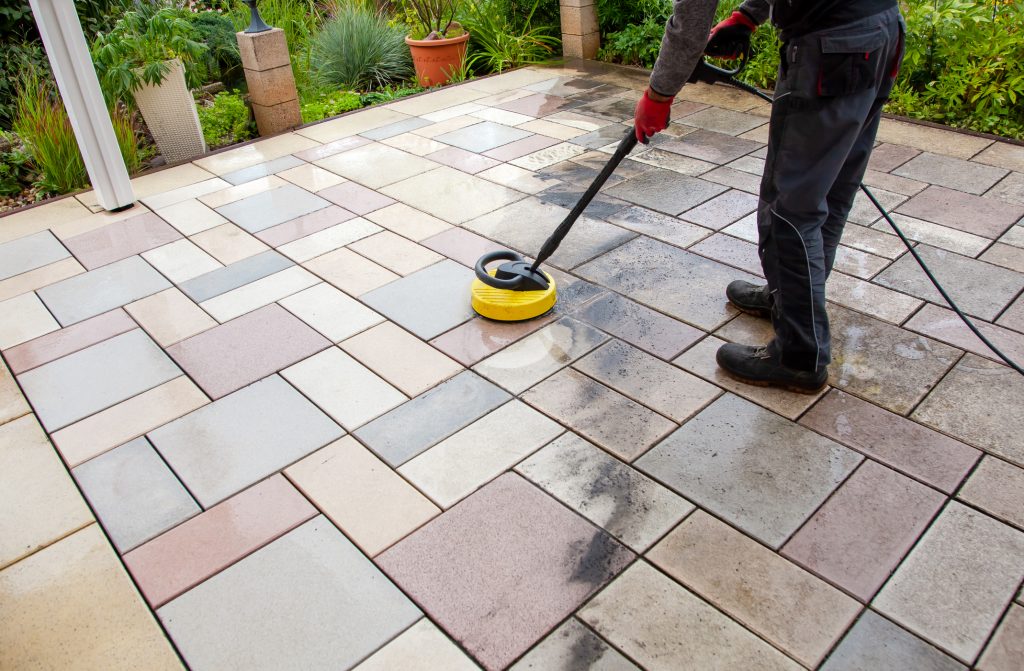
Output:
x,y
150,57
438,41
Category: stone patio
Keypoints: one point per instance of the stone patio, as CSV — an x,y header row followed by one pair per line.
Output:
x,y
252,423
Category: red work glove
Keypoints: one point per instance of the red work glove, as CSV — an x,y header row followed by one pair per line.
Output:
x,y
731,37
651,116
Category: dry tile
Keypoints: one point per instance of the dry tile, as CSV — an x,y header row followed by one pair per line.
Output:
x,y
229,243
191,217
407,222
68,340
570,645
329,239
260,293
307,224
170,316
12,403
400,358
871,299
29,253
23,318
39,278
331,312
997,488
350,272
421,647
942,324
395,253
427,302
1006,649
181,261
310,177
875,643
442,193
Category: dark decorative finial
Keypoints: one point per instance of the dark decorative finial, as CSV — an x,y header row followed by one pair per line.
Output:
x,y
256,25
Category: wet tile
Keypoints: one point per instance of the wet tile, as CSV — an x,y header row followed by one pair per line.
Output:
x,y
484,136
40,503
361,495
1010,189
707,145
437,128
498,585
222,280
886,156
246,349
442,193
953,587
307,224
463,160
863,531
858,263
477,339
353,274
945,325
428,419
548,156
986,217
865,212
664,626
668,279
134,494
734,179
80,384
722,210
1006,256
665,191
262,170
76,596
455,467
674,162
260,151
310,177
659,226
271,208
981,289
407,222
236,193
98,291
242,438
1006,649
895,441
29,253
891,306
400,358
872,241
461,245
882,363
997,488
397,128
181,261
889,182
260,293
395,253
731,251
331,148
427,302
421,647
790,471
609,419
520,148
190,216
331,312
356,198
640,326
24,318
170,316
570,644
67,341
329,239
33,280
876,643
229,243
503,117
953,173
535,357
376,165
127,420
1013,316
310,599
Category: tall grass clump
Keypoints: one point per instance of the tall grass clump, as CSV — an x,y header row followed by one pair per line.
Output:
x,y
498,45
358,50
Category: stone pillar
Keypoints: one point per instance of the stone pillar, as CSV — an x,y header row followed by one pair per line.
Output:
x,y
581,37
268,71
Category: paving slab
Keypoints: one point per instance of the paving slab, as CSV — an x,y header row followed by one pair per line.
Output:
x,y
871,299
271,208
427,302
876,643
953,173
262,169
181,261
666,191
945,325
331,312
722,210
943,237
350,272
400,358
33,280
987,217
707,145
639,326
229,243
573,645
1006,648
23,319
997,488
169,316
503,568
228,445
478,338
376,165
888,156
442,193
421,647
29,253
659,226
240,273
97,291
193,216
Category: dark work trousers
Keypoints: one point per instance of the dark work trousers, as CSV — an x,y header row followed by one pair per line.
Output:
x,y
828,102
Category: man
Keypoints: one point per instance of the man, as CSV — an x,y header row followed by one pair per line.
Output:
x,y
838,62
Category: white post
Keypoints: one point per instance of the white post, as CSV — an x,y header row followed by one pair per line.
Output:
x,y
61,31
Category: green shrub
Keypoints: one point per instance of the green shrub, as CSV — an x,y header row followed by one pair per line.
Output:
x,y
15,169
497,44
226,121
357,49
221,60
321,104
299,19
616,15
387,94
15,59
635,44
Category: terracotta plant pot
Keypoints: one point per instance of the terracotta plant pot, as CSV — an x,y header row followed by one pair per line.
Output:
x,y
436,60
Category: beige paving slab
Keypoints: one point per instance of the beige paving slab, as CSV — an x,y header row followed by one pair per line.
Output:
x,y
265,291
442,193
257,152
401,358
925,138
331,312
438,100
421,647
328,240
165,198
415,144
23,318
72,606
408,222
343,388
181,260
1006,650
240,191
665,627
953,587
12,402
1003,155
72,227
891,306
518,178
376,165
39,503
350,272
361,494
543,158
457,466
350,125
169,179
229,243
551,129
997,488
40,218
127,420
311,177
170,316
395,253
39,278
442,127
790,607
190,217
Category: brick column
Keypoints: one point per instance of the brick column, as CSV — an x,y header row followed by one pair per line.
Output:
x,y
268,71
581,36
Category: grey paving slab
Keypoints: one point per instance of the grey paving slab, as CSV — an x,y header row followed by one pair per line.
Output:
x,y
600,137
134,494
95,378
309,600
102,290
225,446
397,128
722,210
567,195
615,497
665,191
787,471
954,173
987,217
710,146
262,169
429,418
483,136
28,253
875,643
573,646
680,284
659,226
997,488
953,587
1009,189
640,326
981,289
427,302
273,207
725,121
222,280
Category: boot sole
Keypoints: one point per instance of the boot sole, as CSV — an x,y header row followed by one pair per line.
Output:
x,y
755,312
777,385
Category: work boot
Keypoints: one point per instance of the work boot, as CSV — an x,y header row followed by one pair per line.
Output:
x,y
762,366
750,298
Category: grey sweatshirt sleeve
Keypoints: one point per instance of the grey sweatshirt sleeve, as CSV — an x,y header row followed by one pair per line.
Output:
x,y
686,35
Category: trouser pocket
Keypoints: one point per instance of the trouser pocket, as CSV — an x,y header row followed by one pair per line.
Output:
x,y
849,63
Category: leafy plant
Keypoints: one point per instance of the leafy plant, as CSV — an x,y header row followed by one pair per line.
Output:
x,y
299,19
435,19
15,169
216,31
498,45
226,120
357,49
324,103
126,133
387,94
16,58
635,44
136,50
616,15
